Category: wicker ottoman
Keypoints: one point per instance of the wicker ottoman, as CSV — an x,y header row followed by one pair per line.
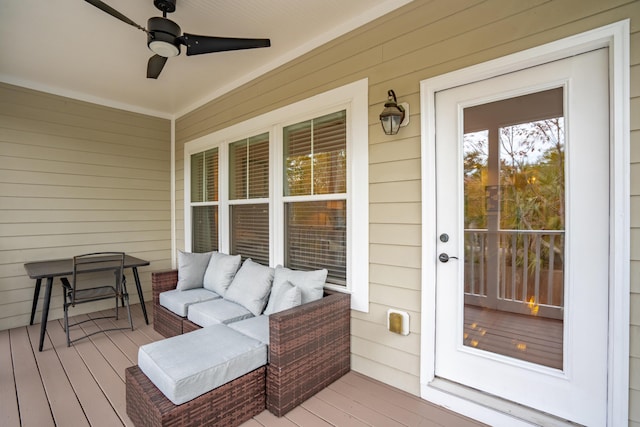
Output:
x,y
229,405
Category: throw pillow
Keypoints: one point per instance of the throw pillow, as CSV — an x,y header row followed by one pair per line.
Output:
x,y
191,268
250,287
220,272
285,297
311,283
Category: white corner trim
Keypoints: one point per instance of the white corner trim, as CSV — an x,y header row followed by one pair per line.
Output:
x,y
174,252
616,38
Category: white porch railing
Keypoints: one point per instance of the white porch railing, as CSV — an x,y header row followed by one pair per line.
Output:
x,y
520,271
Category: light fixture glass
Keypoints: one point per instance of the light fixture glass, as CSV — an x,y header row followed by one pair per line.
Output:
x,y
392,116
163,48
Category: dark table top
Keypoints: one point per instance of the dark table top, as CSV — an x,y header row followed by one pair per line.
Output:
x,y
64,267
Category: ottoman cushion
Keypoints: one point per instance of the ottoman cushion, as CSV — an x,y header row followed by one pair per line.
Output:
x,y
186,366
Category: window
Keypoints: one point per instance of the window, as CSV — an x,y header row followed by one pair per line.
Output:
x,y
204,198
287,192
315,163
249,198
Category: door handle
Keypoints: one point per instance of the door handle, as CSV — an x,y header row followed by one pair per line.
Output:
x,y
443,257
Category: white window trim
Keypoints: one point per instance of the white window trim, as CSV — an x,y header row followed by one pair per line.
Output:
x,y
616,38
354,98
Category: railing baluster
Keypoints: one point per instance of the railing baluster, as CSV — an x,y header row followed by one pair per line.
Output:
x,y
514,257
472,257
503,266
519,244
550,279
561,303
483,260
537,273
525,266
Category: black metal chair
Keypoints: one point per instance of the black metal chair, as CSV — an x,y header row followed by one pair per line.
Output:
x,y
90,269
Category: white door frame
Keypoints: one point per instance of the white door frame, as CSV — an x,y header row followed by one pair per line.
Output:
x,y
482,407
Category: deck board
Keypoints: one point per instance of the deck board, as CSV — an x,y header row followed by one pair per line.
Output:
x,y
9,414
63,402
97,408
530,338
84,385
356,409
32,399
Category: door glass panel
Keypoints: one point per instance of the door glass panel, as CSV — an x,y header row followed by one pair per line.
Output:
x,y
514,181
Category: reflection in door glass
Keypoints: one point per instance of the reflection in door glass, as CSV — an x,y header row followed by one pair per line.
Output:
x,y
514,185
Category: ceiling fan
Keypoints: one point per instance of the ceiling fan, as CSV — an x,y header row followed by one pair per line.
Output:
x,y
164,38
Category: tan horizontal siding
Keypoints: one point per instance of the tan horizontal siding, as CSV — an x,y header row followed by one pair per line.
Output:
x,y
77,177
397,51
395,213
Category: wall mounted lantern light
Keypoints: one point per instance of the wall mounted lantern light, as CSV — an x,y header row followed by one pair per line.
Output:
x,y
394,116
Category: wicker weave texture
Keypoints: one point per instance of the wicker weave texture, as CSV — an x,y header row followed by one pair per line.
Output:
x,y
189,326
309,349
162,281
165,322
226,406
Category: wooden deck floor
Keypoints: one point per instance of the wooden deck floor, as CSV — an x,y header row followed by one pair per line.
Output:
x,y
530,338
84,386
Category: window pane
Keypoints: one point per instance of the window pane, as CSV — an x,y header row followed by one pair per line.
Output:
x,y
315,156
211,171
330,154
204,176
297,159
197,172
315,237
204,228
249,168
250,231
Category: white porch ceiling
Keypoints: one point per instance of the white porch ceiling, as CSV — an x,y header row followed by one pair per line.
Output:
x,y
71,48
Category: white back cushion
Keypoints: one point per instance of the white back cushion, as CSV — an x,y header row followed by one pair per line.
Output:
x,y
191,268
251,286
220,272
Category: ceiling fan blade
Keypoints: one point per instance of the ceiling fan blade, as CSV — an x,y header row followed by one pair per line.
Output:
x,y
197,45
155,66
111,11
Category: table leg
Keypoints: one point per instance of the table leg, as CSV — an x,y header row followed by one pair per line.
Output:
x,y
140,295
36,294
45,311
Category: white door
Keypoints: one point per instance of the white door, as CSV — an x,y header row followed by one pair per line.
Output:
x,y
522,163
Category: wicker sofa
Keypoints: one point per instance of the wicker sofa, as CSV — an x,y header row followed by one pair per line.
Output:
x,y
309,348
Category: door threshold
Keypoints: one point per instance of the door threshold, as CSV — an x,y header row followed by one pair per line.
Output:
x,y
499,405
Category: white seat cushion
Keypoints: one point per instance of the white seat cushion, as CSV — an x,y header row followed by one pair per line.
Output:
x,y
217,311
186,366
179,301
254,327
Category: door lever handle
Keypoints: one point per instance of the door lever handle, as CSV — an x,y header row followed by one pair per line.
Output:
x,y
443,257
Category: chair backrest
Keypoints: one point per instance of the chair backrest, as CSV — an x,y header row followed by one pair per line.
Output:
x,y
95,263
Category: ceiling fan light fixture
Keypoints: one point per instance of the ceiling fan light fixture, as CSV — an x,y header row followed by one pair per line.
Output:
x,y
163,36
163,48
